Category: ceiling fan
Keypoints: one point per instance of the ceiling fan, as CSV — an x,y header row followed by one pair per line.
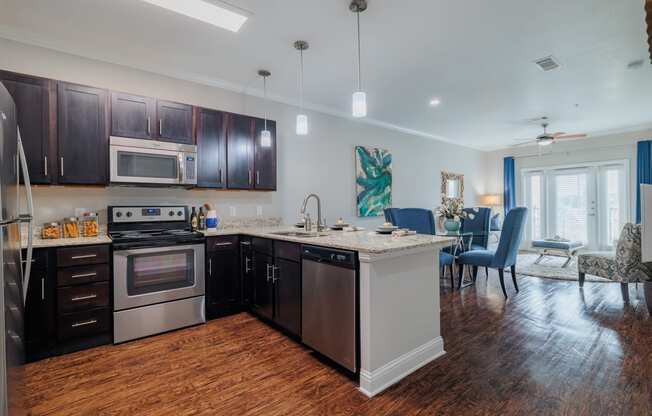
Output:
x,y
546,138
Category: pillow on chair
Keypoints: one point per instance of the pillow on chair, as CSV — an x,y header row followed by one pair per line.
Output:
x,y
496,224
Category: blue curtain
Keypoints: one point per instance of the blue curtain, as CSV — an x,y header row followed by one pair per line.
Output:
x,y
509,198
643,171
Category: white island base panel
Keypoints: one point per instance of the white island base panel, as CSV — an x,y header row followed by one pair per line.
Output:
x,y
400,329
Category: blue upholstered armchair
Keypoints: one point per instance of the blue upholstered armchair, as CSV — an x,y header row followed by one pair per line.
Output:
x,y
505,255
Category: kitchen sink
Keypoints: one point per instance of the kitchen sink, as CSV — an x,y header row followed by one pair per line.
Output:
x,y
301,234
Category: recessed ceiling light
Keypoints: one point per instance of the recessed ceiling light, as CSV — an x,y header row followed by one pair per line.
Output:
x,y
213,12
435,102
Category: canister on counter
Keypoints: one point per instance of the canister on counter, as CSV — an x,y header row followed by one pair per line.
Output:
x,y
70,227
51,230
89,226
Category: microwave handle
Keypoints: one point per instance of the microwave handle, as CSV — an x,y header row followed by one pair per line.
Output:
x,y
180,167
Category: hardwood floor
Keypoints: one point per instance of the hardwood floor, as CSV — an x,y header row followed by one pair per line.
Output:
x,y
550,349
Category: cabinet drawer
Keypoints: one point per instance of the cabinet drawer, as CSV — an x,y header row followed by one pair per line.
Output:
x,y
39,258
229,242
78,298
263,245
288,251
82,324
83,274
77,256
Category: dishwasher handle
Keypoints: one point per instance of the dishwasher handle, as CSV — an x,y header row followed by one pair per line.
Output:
x,y
339,258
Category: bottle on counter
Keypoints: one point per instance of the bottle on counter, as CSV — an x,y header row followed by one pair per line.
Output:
x,y
193,219
202,219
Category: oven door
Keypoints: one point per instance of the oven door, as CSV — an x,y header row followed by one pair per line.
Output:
x,y
150,166
147,276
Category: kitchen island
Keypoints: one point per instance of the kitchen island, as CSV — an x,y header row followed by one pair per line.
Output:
x,y
398,298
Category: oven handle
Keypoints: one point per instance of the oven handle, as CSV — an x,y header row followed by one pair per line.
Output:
x,y
150,250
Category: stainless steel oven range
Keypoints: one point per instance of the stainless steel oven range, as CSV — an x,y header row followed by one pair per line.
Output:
x,y
158,271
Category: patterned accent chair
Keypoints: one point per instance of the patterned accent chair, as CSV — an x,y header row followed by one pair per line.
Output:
x,y
623,266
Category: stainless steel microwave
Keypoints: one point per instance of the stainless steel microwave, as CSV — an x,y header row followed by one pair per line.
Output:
x,y
151,162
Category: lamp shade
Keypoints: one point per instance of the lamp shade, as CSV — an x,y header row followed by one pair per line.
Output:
x,y
266,138
359,104
490,200
302,125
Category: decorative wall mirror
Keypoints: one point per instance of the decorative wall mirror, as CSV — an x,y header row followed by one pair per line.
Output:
x,y
452,187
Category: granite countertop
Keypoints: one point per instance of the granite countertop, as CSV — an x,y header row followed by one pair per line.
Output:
x,y
364,241
38,242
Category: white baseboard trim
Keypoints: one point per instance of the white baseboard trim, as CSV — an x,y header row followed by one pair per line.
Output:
x,y
374,382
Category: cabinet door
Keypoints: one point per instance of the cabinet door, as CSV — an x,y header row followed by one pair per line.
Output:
x,y
175,122
247,273
265,157
35,100
240,144
40,324
223,283
263,299
83,136
287,278
132,115
211,149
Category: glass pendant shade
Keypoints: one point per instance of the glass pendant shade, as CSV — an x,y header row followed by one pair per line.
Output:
x,y
359,104
266,138
302,125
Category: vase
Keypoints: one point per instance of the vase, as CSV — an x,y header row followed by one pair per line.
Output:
x,y
451,225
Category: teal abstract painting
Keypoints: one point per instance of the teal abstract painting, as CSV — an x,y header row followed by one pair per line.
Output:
x,y
373,180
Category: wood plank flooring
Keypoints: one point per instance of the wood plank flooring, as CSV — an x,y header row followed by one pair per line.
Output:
x,y
550,349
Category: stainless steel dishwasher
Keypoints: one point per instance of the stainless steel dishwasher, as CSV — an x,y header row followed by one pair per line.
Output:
x,y
329,307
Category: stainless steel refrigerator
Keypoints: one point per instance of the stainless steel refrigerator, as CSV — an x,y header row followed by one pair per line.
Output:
x,y
14,272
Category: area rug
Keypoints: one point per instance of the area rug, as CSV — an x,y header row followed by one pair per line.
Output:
x,y
550,268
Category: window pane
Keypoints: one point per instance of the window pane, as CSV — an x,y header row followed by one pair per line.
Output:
x,y
614,209
535,207
571,201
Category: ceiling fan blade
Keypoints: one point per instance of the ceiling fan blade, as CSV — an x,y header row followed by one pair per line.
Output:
x,y
648,19
572,136
528,143
558,134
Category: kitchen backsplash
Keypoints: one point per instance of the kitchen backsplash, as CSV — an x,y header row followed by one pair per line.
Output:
x,y
53,203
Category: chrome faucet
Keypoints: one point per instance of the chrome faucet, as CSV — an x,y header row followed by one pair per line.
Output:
x,y
320,225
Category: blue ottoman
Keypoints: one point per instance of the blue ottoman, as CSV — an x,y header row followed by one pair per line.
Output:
x,y
557,248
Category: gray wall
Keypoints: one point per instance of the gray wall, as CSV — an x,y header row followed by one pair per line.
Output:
x,y
322,162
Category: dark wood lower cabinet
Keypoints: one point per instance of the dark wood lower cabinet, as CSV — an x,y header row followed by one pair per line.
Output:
x,y
223,285
68,305
277,285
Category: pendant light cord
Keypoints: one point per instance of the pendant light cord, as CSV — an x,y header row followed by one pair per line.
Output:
x,y
301,79
265,95
359,54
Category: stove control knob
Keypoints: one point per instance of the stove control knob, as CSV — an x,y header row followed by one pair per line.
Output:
x,y
129,214
118,214
180,213
171,213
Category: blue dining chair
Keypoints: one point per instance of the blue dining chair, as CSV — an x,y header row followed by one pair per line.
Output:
x,y
506,253
479,226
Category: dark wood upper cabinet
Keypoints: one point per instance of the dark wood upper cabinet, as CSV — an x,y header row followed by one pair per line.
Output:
x,y
132,116
35,100
240,151
265,157
211,149
83,135
175,122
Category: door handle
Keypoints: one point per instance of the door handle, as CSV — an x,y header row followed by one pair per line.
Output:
x,y
61,167
268,271
257,177
85,256
274,270
219,174
210,267
79,276
222,244
149,120
85,323
249,177
160,127
45,165
247,262
42,288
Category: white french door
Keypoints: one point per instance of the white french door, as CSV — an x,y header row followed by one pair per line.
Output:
x,y
583,203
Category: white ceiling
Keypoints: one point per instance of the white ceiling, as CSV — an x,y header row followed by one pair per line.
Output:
x,y
475,55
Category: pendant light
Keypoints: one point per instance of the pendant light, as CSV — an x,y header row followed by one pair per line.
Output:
x,y
359,105
265,135
302,118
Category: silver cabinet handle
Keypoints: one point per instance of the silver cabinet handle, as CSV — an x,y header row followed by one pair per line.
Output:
x,y
79,276
220,177
85,256
268,271
257,177
45,165
249,177
85,323
247,262
222,244
42,288
61,160
160,127
87,297
274,270
210,267
179,173
149,126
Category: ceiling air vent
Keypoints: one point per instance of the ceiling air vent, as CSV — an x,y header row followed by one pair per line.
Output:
x,y
547,64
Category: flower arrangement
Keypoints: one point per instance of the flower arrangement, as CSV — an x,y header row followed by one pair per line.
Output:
x,y
453,209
